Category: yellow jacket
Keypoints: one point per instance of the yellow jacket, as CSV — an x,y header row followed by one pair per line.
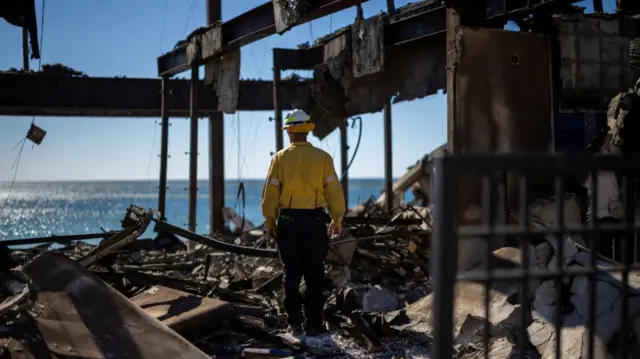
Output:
x,y
302,177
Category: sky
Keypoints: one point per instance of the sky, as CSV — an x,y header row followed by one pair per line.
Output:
x,y
124,38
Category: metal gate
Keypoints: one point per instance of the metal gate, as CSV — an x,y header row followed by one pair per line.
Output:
x,y
492,171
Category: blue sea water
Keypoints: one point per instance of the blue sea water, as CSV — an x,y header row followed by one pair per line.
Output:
x,y
37,209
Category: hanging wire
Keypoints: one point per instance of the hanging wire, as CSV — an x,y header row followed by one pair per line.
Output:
x,y
241,189
16,162
164,17
153,145
241,194
14,167
192,6
355,150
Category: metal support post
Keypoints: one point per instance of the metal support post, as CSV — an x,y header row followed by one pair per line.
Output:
x,y
597,6
277,105
344,154
388,170
391,6
216,146
164,147
25,49
216,172
193,153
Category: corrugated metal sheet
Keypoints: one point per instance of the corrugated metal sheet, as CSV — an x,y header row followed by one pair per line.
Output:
x,y
574,131
594,62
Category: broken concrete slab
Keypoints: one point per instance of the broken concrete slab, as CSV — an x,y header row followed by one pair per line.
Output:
x,y
574,323
183,312
76,313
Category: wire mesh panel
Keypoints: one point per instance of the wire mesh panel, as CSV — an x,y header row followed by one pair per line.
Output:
x,y
573,300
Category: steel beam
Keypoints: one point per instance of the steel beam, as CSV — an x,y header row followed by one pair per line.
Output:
x,y
39,95
408,24
249,27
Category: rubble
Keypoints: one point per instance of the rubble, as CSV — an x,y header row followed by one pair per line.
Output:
x,y
223,298
57,70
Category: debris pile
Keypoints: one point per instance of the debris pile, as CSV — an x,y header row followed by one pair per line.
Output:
x,y
68,298
57,70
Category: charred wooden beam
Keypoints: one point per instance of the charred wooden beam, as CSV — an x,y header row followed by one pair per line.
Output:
x,y
408,24
249,27
39,95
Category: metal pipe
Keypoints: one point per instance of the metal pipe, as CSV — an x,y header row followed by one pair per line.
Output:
x,y
25,49
344,155
215,243
193,153
56,239
216,146
277,106
388,170
164,147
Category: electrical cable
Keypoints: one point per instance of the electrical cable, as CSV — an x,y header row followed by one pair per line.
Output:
x,y
241,192
164,17
153,145
241,189
192,6
355,150
14,166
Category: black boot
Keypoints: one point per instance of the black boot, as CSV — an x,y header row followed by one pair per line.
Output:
x,y
316,330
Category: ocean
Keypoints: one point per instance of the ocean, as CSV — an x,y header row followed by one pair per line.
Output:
x,y
38,209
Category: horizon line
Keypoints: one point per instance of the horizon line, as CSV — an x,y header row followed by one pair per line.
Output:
x,y
168,179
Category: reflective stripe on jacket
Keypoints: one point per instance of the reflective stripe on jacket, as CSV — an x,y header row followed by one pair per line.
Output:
x,y
302,177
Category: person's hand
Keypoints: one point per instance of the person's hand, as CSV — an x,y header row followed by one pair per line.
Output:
x,y
334,230
271,236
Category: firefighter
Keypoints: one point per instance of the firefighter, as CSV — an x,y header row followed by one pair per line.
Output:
x,y
300,187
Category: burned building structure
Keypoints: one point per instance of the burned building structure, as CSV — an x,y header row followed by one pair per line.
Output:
x,y
400,55
540,90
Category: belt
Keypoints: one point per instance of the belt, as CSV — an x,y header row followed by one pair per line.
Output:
x,y
315,212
